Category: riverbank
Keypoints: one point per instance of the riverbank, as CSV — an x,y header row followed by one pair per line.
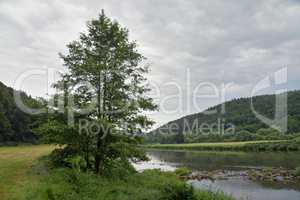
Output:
x,y
65,184
244,175
277,145
267,175
24,176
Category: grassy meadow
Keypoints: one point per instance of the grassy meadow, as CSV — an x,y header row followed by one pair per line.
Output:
x,y
24,176
15,166
276,145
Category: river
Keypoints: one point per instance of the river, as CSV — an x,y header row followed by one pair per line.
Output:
x,y
236,162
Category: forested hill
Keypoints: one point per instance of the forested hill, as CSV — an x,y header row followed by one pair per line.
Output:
x,y
237,112
15,125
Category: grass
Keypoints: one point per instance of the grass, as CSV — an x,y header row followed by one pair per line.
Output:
x,y
277,145
15,164
66,184
23,176
297,171
183,171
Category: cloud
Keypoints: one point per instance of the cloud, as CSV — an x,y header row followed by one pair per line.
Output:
x,y
186,42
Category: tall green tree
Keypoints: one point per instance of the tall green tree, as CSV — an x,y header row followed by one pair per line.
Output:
x,y
106,75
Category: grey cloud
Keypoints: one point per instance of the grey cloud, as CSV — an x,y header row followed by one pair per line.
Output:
x,y
218,41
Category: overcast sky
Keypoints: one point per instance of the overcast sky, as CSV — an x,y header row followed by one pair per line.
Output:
x,y
188,44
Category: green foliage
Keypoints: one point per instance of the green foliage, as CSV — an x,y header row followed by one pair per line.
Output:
x,y
297,139
297,171
118,169
238,113
66,184
76,163
120,152
15,125
178,192
183,171
43,183
105,74
59,157
240,136
279,145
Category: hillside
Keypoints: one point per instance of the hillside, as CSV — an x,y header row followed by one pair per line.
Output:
x,y
15,125
237,113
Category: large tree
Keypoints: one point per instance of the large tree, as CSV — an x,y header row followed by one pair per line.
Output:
x,y
105,73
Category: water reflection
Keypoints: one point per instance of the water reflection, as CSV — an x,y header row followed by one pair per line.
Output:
x,y
239,187
227,160
245,189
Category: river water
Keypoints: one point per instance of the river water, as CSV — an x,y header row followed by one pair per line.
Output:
x,y
238,186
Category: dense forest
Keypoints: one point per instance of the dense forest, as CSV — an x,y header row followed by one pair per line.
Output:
x,y
15,125
238,115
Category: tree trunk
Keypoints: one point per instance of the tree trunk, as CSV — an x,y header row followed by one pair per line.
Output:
x,y
97,164
87,160
101,92
99,152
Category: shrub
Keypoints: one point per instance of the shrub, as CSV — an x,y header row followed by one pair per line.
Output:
x,y
297,139
66,184
178,192
183,171
297,171
118,169
61,157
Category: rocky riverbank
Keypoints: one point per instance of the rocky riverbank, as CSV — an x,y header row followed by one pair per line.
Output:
x,y
278,175
274,175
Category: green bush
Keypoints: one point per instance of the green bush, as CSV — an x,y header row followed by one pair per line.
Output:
x,y
297,139
66,184
178,192
297,171
61,157
118,169
183,171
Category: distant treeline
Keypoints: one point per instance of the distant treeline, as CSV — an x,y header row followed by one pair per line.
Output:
x,y
15,125
258,146
237,123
